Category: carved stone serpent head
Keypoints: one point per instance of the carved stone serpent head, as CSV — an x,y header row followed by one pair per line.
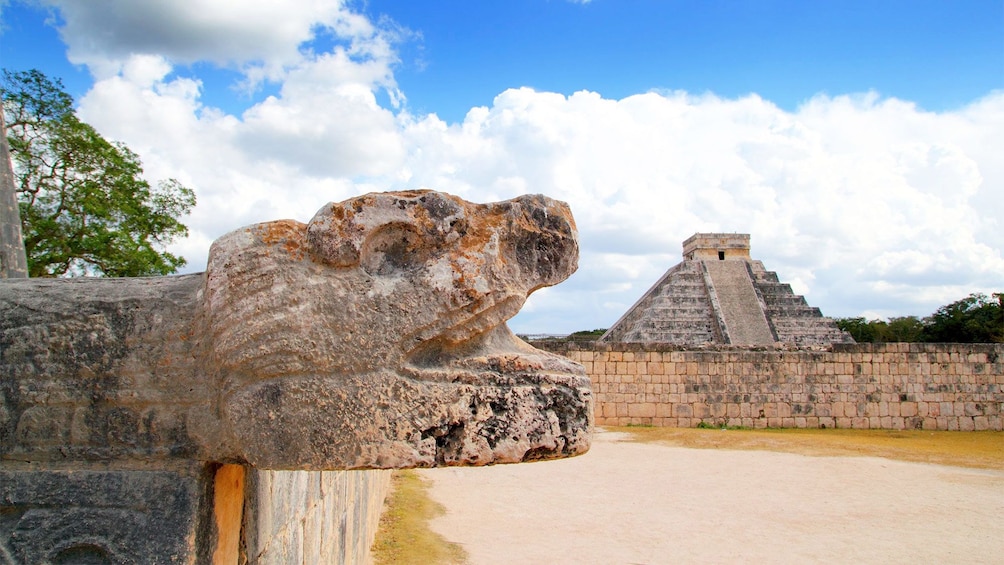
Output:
x,y
372,337
375,335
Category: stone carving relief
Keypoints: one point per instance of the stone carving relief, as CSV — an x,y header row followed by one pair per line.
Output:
x,y
372,337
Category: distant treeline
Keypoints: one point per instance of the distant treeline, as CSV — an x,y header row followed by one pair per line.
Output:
x,y
978,318
583,335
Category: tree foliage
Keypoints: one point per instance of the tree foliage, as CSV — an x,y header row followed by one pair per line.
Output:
x,y
85,207
978,318
974,319
902,329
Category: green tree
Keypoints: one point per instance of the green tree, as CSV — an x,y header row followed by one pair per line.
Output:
x,y
896,330
85,207
861,330
903,329
974,319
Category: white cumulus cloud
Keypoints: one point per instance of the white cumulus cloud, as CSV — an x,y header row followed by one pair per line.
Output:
x,y
844,193
863,203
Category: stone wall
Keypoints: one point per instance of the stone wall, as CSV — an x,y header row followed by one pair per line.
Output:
x,y
887,386
313,516
73,515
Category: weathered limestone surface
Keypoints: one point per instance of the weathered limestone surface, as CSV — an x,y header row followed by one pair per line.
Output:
x,y
372,337
13,261
313,516
103,516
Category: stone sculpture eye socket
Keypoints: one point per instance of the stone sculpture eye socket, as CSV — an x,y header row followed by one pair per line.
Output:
x,y
392,249
83,553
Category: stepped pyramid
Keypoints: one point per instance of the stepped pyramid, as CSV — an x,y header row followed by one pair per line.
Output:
x,y
718,294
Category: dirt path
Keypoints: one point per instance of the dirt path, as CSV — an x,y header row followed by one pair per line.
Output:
x,y
627,502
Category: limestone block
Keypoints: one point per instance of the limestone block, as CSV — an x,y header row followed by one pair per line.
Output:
x,y
109,516
644,410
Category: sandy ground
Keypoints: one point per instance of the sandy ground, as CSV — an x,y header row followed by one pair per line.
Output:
x,y
633,503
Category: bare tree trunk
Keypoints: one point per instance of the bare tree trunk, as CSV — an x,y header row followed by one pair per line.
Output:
x,y
13,261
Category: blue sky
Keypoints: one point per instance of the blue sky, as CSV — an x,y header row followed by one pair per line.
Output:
x,y
457,54
855,140
939,54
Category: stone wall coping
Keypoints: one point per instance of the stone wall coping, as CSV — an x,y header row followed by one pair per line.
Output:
x,y
563,346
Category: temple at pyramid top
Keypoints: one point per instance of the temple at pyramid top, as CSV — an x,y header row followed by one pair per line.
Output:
x,y
721,246
719,294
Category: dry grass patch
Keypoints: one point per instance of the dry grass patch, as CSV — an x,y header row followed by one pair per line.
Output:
x,y
984,450
404,536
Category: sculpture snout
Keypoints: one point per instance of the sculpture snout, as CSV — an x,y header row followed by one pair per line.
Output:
x,y
544,241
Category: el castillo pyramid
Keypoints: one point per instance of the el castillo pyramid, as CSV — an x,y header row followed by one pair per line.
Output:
x,y
719,295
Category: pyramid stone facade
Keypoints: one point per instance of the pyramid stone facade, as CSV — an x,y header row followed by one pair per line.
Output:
x,y
718,294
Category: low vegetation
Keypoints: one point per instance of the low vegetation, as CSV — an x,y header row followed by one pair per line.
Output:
x,y
984,450
978,318
404,536
579,336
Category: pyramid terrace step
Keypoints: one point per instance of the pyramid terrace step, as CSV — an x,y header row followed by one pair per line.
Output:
x,y
687,302
775,289
784,300
794,311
